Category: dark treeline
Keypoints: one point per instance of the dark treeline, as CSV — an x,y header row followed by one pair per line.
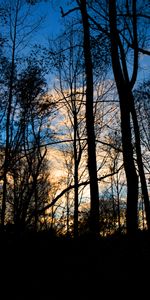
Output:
x,y
91,118
74,147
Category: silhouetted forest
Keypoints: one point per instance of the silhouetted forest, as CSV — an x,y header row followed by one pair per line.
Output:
x,y
42,266
74,148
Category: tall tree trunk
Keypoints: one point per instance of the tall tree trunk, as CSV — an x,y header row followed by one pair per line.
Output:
x,y
7,144
7,130
124,97
92,165
68,213
75,177
36,205
118,204
140,162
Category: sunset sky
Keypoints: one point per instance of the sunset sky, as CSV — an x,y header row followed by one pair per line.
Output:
x,y
64,84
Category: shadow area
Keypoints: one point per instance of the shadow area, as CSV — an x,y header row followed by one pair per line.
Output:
x,y
40,267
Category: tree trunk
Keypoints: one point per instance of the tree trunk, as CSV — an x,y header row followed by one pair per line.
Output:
x,y
75,177
7,131
124,98
92,166
139,161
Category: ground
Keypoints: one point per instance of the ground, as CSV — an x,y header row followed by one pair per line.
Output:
x,y
44,267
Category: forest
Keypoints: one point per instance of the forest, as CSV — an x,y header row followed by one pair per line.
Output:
x,y
74,146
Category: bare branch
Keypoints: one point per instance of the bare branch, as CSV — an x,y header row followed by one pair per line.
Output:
x,y
144,51
64,14
41,211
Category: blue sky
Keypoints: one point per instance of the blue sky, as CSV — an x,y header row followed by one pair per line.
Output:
x,y
52,24
51,13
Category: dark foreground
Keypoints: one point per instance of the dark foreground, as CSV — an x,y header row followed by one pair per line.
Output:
x,y
42,267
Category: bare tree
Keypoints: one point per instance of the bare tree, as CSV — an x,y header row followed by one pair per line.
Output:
x,y
119,22
127,106
18,34
92,165
68,62
28,169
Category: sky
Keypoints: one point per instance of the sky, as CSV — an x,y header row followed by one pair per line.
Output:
x,y
53,24
50,12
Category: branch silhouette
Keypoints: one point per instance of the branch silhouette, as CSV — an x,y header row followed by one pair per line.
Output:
x,y
84,183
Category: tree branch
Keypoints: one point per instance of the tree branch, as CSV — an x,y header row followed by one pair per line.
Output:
x,y
64,14
41,211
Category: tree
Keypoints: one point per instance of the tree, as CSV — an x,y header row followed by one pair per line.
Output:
x,y
124,96
29,168
92,165
68,63
127,107
16,22
142,95
8,114
119,23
